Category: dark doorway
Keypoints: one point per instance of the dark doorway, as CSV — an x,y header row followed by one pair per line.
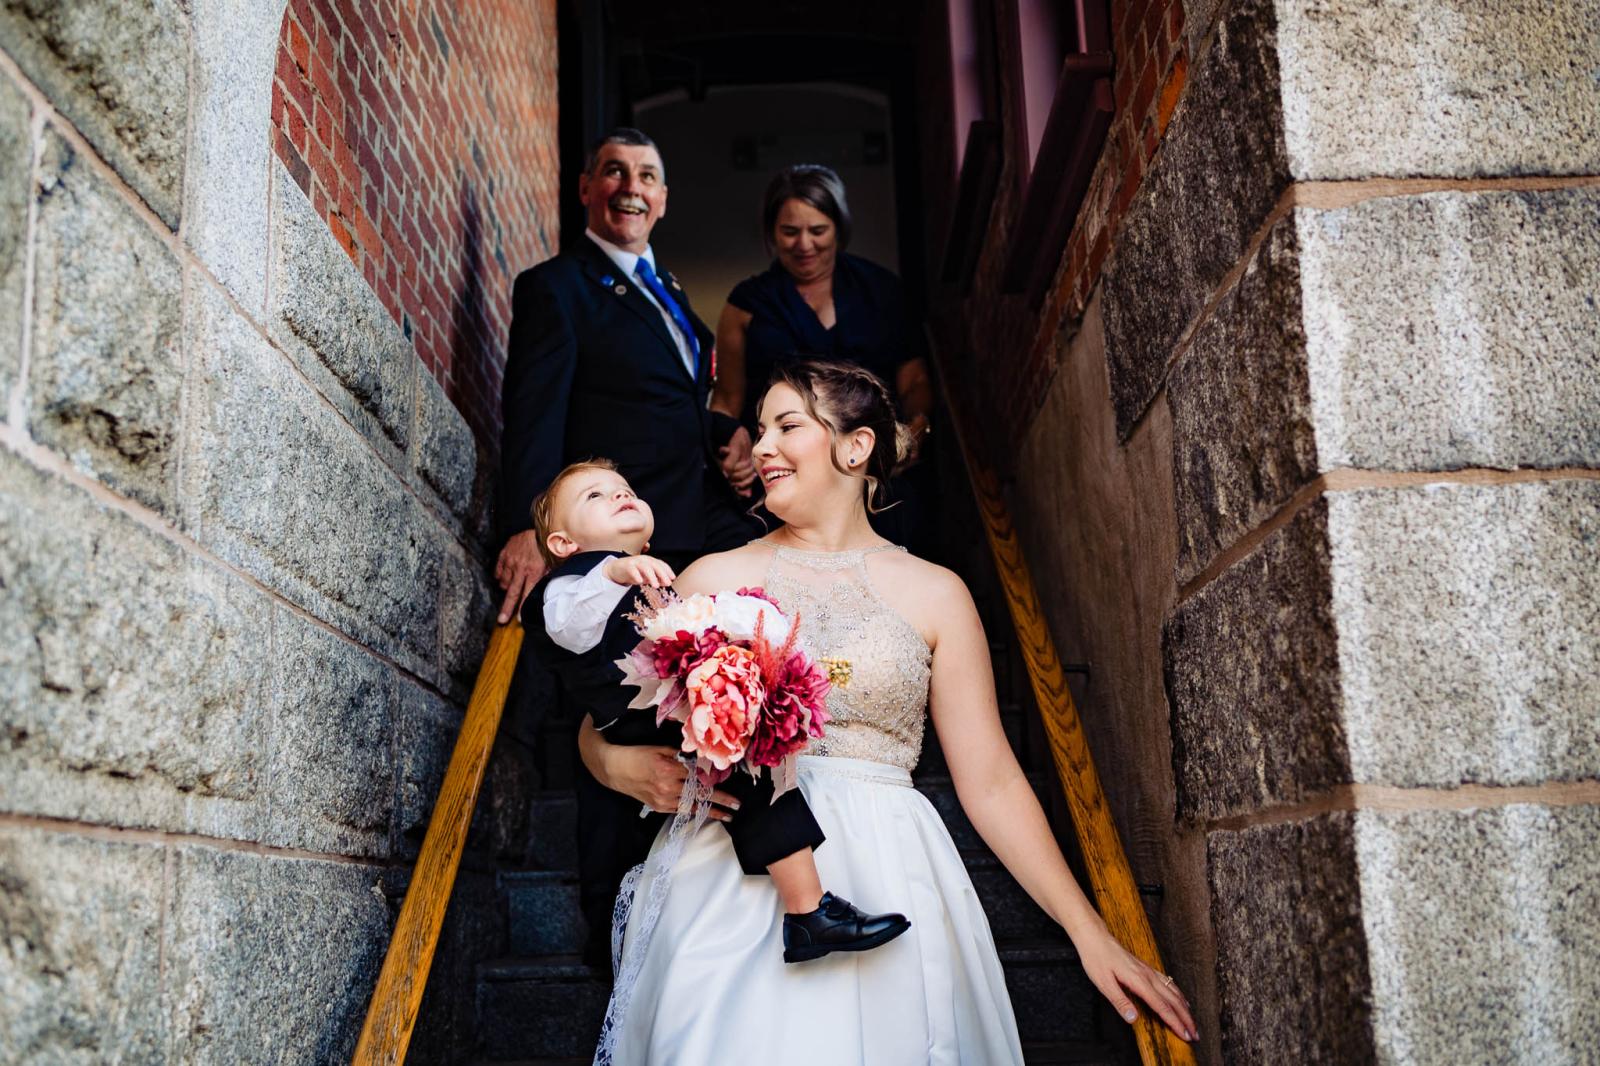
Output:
x,y
733,92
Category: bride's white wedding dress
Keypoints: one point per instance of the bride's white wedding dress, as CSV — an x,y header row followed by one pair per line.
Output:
x,y
713,985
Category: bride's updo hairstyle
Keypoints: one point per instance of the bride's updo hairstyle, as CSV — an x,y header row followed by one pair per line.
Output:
x,y
844,398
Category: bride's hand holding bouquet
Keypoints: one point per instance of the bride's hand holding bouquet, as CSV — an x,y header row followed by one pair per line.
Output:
x,y
728,667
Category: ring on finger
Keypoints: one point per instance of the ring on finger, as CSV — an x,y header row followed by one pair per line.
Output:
x,y
1167,980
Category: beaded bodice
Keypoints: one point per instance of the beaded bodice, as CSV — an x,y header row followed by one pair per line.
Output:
x,y
879,662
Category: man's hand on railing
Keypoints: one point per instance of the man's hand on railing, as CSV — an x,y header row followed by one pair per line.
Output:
x,y
652,775
518,569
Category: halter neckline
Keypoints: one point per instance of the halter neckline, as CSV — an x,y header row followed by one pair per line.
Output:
x,y
784,549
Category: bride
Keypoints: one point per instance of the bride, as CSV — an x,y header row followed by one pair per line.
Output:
x,y
905,637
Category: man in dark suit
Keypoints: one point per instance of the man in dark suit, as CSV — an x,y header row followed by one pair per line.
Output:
x,y
606,358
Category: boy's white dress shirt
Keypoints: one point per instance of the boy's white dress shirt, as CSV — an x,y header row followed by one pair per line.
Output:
x,y
578,606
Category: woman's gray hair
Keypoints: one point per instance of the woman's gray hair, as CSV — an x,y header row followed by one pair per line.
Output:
x,y
810,183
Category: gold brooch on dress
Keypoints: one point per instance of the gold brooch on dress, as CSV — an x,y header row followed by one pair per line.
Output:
x,y
838,671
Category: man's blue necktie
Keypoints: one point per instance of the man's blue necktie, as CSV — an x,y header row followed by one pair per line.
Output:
x,y
668,304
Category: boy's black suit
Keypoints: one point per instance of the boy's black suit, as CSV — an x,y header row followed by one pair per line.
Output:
x,y
592,370
611,835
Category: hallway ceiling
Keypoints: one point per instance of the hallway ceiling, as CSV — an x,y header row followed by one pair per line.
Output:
x,y
692,46
885,20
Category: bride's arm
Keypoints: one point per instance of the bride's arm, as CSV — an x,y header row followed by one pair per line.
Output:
x,y
1001,804
650,774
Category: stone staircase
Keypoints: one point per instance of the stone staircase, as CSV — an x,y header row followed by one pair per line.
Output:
x,y
540,1004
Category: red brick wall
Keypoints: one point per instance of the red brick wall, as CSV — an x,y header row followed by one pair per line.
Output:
x,y
1150,64
424,131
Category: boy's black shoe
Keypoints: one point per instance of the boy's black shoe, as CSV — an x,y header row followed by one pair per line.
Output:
x,y
837,925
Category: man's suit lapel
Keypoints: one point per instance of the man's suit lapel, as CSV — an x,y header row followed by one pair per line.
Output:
x,y
602,271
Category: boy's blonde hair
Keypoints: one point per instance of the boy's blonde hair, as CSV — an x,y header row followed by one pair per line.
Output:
x,y
545,503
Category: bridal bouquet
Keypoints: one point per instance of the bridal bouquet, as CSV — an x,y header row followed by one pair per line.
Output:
x,y
728,668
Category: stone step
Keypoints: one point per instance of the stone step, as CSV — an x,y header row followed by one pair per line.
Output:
x,y
551,1007
553,831
1012,913
543,916
1053,998
544,1008
1034,1053
1068,1053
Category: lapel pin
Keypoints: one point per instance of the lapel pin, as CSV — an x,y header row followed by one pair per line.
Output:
x,y
607,280
619,288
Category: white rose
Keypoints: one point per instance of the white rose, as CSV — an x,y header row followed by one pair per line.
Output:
x,y
736,615
694,615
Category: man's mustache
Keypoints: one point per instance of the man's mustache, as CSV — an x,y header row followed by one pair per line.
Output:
x,y
629,204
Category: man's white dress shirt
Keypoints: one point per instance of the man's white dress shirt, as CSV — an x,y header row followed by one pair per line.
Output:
x,y
627,262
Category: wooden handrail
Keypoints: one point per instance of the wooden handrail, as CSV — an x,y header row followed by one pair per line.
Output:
x,y
393,1012
1110,877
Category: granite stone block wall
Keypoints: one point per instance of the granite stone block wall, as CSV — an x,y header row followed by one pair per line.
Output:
x,y
1220,169
1398,373
16,150
1313,486
1446,935
107,66
242,547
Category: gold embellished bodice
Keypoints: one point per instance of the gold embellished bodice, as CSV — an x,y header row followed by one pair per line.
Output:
x,y
879,663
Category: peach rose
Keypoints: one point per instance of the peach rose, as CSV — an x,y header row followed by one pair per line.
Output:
x,y
725,697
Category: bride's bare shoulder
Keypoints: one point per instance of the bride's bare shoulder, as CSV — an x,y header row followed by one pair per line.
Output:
x,y
919,575
925,594
741,567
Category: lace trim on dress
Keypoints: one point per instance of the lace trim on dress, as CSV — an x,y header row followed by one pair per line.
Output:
x,y
627,960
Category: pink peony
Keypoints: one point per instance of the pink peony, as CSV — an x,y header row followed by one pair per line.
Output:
x,y
725,696
796,711
681,652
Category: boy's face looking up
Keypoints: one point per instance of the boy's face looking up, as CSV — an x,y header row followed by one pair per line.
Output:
x,y
596,510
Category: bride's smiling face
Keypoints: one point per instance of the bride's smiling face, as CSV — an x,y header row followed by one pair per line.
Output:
x,y
796,454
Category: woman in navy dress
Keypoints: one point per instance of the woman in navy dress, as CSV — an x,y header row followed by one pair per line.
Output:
x,y
818,300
